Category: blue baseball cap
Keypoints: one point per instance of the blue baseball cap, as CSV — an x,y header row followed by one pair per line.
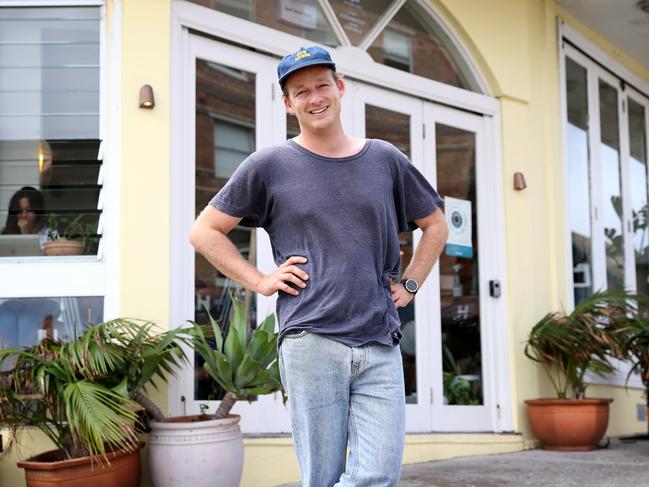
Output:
x,y
303,58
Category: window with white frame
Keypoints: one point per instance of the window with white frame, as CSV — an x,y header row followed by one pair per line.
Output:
x,y
52,282
49,130
606,149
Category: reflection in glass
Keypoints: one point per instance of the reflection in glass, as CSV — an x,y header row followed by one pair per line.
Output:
x,y
578,175
459,279
414,42
49,73
609,151
49,126
225,136
303,18
26,321
394,127
49,192
357,17
638,179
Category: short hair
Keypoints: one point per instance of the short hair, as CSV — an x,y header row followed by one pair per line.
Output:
x,y
336,75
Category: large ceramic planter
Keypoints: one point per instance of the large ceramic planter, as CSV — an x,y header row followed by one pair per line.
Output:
x,y
187,452
569,424
50,470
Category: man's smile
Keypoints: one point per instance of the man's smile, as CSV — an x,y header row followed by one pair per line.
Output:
x,y
318,111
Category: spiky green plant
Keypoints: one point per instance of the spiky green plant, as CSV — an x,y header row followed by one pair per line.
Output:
x,y
81,394
567,346
243,362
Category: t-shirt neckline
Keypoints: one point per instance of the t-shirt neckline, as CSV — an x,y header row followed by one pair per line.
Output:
x,y
314,155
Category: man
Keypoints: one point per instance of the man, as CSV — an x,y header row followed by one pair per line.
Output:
x,y
333,206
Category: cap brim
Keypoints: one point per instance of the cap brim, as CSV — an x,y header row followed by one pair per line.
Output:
x,y
307,64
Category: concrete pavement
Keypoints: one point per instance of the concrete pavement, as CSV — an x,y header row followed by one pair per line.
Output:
x,y
622,464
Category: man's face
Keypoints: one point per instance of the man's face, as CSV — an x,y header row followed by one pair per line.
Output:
x,y
313,96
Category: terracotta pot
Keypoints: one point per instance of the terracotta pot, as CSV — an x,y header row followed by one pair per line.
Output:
x,y
63,247
569,424
188,452
50,470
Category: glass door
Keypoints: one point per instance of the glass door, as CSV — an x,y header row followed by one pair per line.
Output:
x,y
231,109
398,119
463,398
446,341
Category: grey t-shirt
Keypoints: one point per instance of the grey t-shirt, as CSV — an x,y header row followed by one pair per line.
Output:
x,y
344,215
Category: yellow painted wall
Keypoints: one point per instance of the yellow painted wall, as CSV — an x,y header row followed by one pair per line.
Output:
x,y
145,162
271,461
514,43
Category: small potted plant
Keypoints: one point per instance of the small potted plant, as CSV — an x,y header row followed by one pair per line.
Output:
x,y
567,346
243,362
82,395
67,235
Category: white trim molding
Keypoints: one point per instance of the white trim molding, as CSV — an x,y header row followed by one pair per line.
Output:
x,y
197,32
51,3
350,60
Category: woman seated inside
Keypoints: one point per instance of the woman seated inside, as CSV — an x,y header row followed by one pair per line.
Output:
x,y
26,214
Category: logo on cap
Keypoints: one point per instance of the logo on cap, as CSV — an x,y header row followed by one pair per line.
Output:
x,y
301,54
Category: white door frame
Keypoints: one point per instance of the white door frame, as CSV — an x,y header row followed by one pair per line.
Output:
x,y
430,413
483,417
418,416
267,414
355,65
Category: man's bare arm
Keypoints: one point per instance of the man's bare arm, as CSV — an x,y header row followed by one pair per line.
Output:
x,y
430,246
209,236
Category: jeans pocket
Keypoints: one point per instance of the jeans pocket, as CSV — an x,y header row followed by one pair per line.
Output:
x,y
296,334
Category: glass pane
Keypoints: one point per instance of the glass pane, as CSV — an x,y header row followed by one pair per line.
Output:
x,y
292,126
225,136
49,73
301,18
458,264
609,150
638,168
357,17
49,125
394,127
49,195
26,321
579,219
413,42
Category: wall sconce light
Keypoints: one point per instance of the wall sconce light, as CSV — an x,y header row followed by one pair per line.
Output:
x,y
146,97
519,181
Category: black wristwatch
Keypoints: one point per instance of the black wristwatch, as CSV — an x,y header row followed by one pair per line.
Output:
x,y
411,285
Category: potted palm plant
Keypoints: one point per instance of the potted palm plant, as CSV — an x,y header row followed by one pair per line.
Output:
x,y
243,362
636,348
83,395
567,346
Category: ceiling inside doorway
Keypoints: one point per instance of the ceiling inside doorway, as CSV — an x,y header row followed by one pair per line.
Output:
x,y
622,22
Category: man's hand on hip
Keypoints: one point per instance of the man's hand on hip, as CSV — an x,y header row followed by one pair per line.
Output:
x,y
400,295
286,273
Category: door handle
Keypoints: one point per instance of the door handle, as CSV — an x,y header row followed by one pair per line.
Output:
x,y
494,288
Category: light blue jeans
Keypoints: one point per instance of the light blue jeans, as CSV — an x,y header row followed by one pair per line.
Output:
x,y
341,396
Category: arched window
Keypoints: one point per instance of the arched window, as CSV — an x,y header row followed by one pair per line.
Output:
x,y
402,34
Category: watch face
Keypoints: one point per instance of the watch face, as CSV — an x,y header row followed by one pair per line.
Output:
x,y
411,285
